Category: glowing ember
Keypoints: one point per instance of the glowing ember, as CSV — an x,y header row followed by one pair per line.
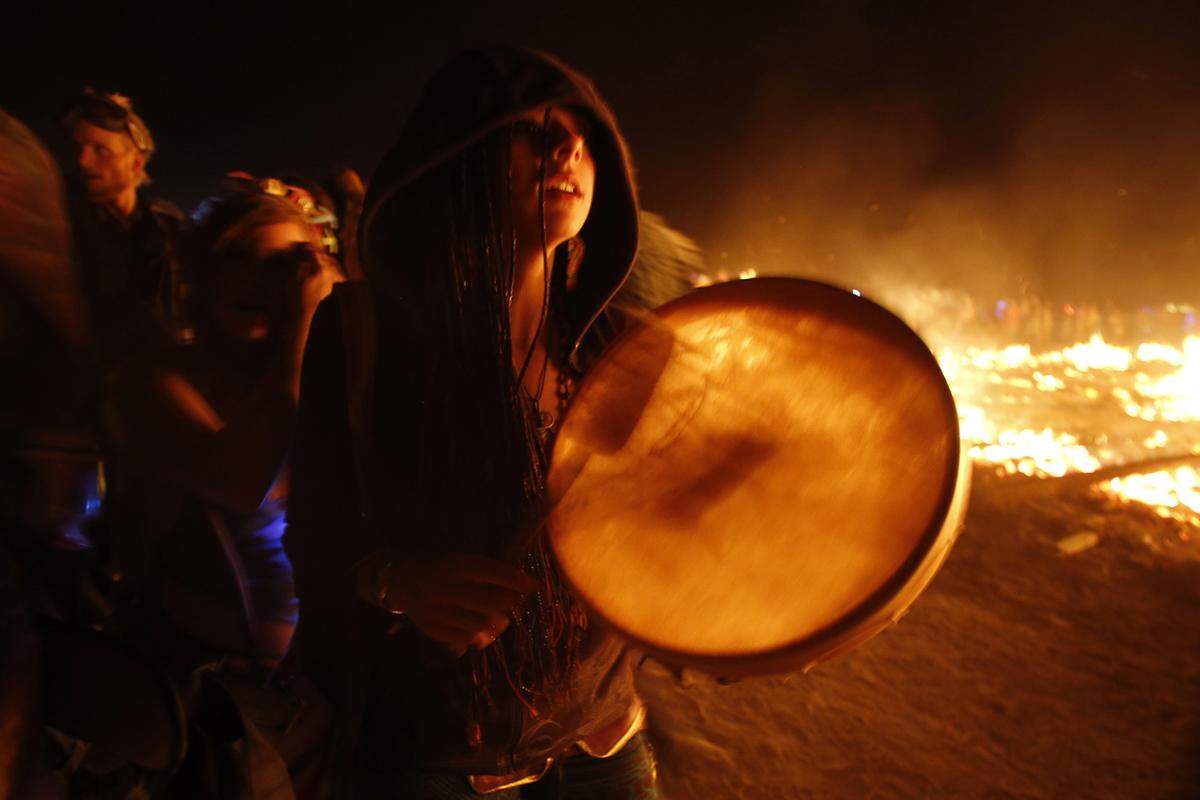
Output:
x,y
1048,383
1176,397
1037,453
1097,354
973,425
1152,351
700,279
1174,494
1159,439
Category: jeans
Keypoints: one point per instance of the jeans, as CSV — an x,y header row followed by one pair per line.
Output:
x,y
628,775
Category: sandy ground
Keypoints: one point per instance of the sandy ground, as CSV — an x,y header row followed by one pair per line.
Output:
x,y
1021,672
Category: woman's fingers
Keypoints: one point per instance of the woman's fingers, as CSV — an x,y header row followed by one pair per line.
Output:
x,y
481,598
454,639
458,629
485,637
463,600
464,616
469,622
449,629
480,569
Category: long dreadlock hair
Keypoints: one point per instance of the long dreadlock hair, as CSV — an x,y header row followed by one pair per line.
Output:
x,y
450,250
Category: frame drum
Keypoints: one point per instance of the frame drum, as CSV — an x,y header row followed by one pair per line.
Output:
x,y
760,475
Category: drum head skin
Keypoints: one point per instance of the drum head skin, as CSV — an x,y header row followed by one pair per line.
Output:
x,y
760,475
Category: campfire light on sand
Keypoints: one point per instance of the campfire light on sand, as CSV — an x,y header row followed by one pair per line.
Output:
x,y
1172,493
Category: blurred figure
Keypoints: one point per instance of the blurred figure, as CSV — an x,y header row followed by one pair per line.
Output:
x,y
204,430
1112,323
1045,323
1066,324
48,460
666,264
125,243
1089,316
666,261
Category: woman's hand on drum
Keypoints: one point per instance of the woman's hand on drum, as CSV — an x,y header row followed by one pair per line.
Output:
x,y
460,601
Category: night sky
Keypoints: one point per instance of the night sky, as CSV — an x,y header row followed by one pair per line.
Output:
x,y
986,147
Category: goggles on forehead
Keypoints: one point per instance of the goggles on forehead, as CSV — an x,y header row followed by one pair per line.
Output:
x,y
115,109
323,221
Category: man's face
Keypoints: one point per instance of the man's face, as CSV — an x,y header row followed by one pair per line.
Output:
x,y
108,162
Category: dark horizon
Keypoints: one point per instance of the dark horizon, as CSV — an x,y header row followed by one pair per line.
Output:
x,y
979,147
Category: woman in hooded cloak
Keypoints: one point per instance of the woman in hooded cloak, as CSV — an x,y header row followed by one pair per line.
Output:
x,y
494,235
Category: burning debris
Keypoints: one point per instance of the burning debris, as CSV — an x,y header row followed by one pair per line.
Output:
x,y
1082,408
1174,494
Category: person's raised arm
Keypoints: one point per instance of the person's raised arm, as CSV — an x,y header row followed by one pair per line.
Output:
x,y
172,431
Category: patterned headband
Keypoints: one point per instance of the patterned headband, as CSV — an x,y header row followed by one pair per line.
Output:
x,y
324,221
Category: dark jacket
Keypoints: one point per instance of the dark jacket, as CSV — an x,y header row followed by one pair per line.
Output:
x,y
410,714
130,273
48,438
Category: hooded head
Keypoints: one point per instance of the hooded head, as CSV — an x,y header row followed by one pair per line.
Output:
x,y
476,98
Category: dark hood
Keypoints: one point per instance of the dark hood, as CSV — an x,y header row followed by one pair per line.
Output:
x,y
480,91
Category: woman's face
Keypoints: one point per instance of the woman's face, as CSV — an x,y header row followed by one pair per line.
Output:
x,y
249,302
570,175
